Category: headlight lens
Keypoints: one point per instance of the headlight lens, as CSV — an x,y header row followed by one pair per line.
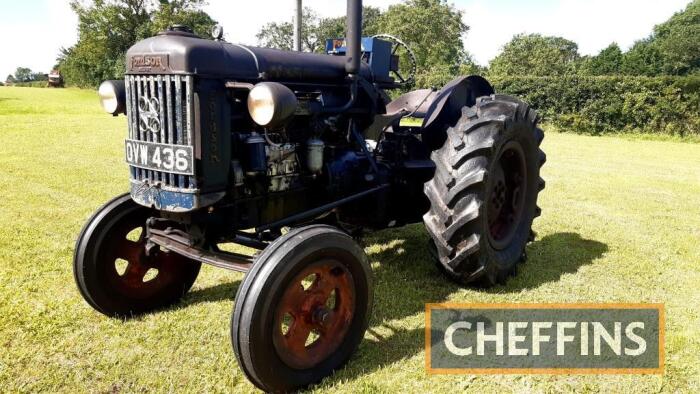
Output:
x,y
112,96
271,104
261,105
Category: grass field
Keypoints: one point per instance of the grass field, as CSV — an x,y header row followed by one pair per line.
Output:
x,y
621,223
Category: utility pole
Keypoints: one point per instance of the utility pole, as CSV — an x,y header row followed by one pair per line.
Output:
x,y
297,26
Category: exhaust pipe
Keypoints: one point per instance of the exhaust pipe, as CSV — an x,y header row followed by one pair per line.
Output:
x,y
297,26
354,37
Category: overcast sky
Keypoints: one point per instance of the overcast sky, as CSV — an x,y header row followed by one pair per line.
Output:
x,y
32,31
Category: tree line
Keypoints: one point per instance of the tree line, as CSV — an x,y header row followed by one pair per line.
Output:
x,y
433,28
25,74
108,28
673,48
652,87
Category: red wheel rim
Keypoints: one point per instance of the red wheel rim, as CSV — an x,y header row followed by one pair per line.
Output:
x,y
314,314
129,270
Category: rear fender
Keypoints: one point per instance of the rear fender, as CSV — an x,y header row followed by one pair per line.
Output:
x,y
445,109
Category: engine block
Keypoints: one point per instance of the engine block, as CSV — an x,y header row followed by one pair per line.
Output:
x,y
282,167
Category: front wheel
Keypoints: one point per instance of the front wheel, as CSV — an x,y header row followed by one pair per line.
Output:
x,y
484,193
303,309
113,272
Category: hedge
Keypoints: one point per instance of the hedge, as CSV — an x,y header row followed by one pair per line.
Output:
x,y
597,105
31,84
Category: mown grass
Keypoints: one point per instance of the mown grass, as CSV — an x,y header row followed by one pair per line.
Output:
x,y
621,223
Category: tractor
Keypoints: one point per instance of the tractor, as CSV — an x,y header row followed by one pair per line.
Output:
x,y
55,79
293,155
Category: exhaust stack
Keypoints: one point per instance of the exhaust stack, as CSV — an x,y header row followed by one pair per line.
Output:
x,y
354,37
297,26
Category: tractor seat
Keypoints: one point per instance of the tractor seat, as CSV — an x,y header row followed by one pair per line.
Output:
x,y
416,103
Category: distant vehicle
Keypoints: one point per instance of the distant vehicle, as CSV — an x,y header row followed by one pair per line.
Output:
x,y
55,79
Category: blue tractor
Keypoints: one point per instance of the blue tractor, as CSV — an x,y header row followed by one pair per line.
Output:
x,y
294,155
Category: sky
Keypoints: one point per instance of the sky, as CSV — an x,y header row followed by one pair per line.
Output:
x,y
32,31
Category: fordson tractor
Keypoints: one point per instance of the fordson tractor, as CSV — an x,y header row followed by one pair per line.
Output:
x,y
294,154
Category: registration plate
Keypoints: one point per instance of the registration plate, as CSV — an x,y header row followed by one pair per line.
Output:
x,y
176,159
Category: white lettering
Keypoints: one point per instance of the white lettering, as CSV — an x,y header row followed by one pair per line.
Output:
x,y
144,154
537,336
614,343
169,162
449,342
481,337
562,338
584,338
641,343
156,157
564,333
514,338
181,160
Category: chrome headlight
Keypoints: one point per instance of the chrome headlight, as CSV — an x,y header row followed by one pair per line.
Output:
x,y
271,104
113,97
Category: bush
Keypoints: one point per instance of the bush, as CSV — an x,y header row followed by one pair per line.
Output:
x,y
608,104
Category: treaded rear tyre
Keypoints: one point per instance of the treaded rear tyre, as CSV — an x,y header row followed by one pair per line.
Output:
x,y
484,192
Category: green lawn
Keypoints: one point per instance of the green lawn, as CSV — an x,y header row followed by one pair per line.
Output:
x,y
621,223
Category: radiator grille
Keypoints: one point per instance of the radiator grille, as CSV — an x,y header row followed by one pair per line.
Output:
x,y
172,97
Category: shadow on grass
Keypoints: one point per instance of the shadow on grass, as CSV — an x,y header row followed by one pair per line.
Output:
x,y
220,292
550,258
406,279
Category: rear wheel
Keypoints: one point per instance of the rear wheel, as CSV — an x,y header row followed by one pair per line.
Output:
x,y
113,272
484,192
303,309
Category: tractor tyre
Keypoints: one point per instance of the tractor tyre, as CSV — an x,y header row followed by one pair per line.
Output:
x,y
113,272
303,309
484,192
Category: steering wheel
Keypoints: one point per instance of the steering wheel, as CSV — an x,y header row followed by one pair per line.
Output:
x,y
396,44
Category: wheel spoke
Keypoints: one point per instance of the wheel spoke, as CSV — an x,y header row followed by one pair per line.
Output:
x,y
401,78
312,316
325,283
135,272
297,335
293,301
129,250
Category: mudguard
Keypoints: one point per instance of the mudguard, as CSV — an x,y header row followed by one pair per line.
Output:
x,y
446,105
